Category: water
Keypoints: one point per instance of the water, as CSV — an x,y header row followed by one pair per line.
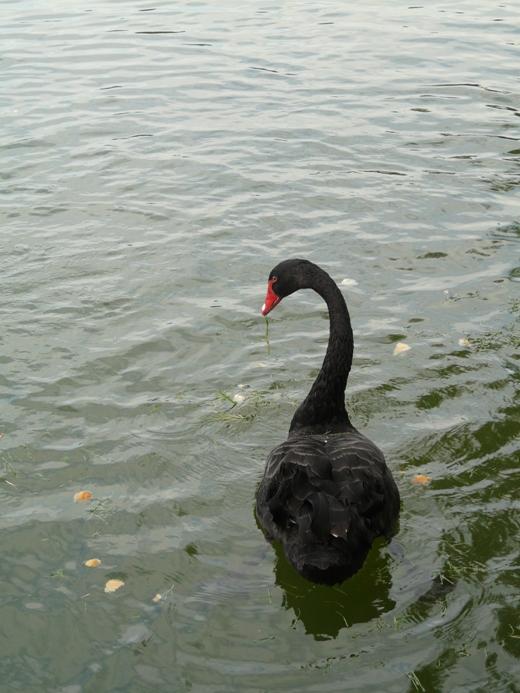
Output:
x,y
158,159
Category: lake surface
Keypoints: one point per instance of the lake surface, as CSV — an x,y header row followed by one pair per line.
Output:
x,y
158,159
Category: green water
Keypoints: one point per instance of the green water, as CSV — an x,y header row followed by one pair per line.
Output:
x,y
157,161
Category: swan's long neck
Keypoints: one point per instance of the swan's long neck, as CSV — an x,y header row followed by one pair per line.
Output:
x,y
323,410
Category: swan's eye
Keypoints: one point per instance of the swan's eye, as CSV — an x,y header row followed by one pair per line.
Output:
x,y
274,280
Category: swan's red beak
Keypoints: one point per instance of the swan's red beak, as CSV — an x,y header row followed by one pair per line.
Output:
x,y
271,299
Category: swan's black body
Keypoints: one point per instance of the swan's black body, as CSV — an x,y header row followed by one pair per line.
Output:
x,y
326,493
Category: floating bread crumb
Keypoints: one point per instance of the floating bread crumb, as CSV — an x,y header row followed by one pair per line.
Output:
x,y
92,563
401,347
82,496
113,585
421,479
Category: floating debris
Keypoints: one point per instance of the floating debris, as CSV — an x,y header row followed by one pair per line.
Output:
x,y
238,398
266,336
348,282
464,342
82,496
113,585
421,479
92,563
161,597
401,347
226,398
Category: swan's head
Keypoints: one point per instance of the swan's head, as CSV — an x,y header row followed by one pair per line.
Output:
x,y
286,278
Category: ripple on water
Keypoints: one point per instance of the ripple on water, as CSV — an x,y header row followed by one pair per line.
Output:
x,y
158,161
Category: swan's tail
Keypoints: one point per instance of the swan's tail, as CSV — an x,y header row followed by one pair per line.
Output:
x,y
324,537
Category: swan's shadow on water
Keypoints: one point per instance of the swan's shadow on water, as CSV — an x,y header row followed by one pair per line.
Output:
x,y
323,610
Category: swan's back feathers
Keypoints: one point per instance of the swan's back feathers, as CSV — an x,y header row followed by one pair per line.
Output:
x,y
326,498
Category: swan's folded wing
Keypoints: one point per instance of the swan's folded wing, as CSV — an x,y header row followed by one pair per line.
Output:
x,y
326,483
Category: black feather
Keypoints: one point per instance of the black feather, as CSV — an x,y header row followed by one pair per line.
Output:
x,y
326,498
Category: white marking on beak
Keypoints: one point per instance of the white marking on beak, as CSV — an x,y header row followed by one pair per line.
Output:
x,y
263,308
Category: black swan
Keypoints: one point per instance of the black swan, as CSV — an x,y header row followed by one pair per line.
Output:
x,y
326,493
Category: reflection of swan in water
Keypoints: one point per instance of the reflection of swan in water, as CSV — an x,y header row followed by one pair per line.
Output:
x,y
324,610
